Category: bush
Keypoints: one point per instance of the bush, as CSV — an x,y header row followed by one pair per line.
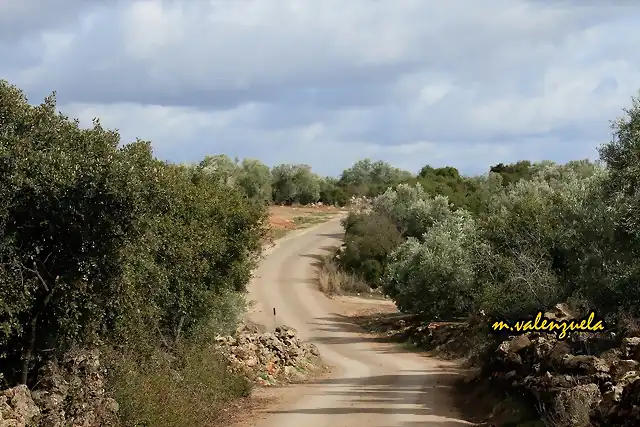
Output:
x,y
67,211
536,233
102,244
435,276
369,239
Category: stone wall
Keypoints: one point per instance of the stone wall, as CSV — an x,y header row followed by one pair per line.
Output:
x,y
71,393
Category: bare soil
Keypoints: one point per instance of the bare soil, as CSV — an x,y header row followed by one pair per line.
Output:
x,y
372,382
283,219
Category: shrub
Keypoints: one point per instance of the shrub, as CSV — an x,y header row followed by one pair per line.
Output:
x,y
434,276
101,243
66,212
369,238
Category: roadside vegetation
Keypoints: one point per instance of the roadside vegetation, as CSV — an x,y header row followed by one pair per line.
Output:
x,y
520,239
105,247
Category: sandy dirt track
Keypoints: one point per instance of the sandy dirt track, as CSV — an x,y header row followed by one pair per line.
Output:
x,y
372,384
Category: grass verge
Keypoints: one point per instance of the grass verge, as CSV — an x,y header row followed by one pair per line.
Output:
x,y
189,390
334,281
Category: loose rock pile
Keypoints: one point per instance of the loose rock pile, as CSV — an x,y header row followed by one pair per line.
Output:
x,y
580,381
269,357
72,393
17,408
446,339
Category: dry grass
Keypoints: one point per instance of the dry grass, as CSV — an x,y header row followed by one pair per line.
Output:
x,y
191,391
334,281
572,407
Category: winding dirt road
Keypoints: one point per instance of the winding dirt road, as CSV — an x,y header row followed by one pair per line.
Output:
x,y
372,384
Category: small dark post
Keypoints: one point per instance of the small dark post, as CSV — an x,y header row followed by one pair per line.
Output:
x,y
274,311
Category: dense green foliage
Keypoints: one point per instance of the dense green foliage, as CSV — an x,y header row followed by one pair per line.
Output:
x,y
103,244
106,244
517,240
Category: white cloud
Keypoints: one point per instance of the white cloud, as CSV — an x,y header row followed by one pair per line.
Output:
x,y
327,82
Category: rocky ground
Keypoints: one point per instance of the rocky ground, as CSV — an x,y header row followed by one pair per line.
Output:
x,y
72,393
270,358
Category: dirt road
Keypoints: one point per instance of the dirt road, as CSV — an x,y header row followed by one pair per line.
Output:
x,y
373,384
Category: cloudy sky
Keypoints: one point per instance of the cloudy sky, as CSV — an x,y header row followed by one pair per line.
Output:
x,y
326,82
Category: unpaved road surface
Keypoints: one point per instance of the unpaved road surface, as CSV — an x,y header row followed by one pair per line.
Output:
x,y
373,384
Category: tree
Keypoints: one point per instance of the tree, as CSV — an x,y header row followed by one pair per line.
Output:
x,y
513,172
283,185
435,276
255,180
295,184
331,193
367,178
221,167
105,243
307,184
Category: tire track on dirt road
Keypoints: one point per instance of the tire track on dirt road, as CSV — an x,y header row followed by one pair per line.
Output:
x,y
373,383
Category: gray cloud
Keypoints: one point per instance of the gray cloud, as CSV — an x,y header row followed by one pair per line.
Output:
x,y
413,81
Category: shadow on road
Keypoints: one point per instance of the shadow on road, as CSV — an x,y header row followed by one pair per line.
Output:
x,y
318,258
413,393
409,392
333,235
330,330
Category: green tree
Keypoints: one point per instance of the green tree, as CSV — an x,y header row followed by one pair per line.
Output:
x,y
283,185
255,180
307,184
435,276
295,184
102,243
223,167
331,193
367,178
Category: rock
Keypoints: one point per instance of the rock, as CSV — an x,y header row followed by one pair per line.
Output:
x,y
572,407
631,348
17,408
611,356
583,364
270,356
519,343
610,398
559,312
558,352
628,378
286,330
72,392
622,367
584,380
514,345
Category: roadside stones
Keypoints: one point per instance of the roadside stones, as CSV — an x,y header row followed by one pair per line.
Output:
x,y
269,357
71,392
577,386
17,408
